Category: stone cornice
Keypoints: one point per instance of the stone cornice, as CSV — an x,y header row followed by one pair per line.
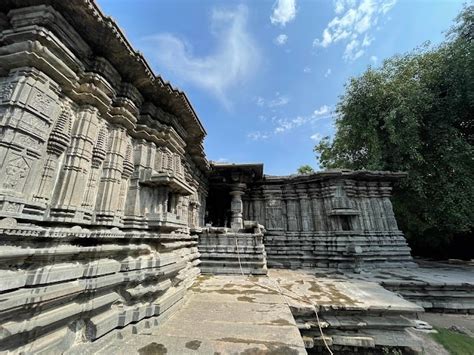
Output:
x,y
335,174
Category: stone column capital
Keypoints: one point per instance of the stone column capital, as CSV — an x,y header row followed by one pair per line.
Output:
x,y
237,189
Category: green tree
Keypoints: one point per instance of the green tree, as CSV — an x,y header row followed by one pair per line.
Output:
x,y
305,169
415,113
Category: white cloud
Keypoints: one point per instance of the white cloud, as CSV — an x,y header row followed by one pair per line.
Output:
x,y
257,136
283,125
279,101
316,137
367,41
284,11
328,72
338,6
323,110
307,70
280,40
353,51
234,59
288,124
353,21
374,59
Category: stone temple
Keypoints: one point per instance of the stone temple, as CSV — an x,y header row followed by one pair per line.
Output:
x,y
111,215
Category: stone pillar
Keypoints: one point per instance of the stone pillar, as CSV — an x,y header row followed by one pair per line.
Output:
x,y
319,222
236,207
127,172
305,208
292,215
386,190
70,189
374,206
111,180
327,194
258,207
98,156
59,140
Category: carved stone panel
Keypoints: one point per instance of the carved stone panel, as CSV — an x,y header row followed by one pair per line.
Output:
x,y
273,210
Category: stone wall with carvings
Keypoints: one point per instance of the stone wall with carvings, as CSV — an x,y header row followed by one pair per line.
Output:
x,y
102,179
340,219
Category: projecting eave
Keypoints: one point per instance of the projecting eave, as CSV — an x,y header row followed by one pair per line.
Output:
x,y
253,169
339,173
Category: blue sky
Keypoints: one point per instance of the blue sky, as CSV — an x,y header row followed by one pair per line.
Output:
x,y
265,76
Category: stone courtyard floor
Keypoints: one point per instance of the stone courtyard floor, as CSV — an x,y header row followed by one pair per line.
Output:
x,y
221,315
275,314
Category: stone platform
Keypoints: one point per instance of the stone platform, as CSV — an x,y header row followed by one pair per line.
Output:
x,y
436,286
224,252
220,315
273,314
355,315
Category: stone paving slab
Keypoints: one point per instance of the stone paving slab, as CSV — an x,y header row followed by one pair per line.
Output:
x,y
233,311
162,344
353,313
436,286
429,273
338,291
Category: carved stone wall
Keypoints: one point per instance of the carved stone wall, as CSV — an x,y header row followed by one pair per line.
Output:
x,y
104,183
102,180
338,219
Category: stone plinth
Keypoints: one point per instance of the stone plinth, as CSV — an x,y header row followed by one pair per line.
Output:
x,y
226,252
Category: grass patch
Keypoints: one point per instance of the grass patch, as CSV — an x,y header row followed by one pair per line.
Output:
x,y
455,343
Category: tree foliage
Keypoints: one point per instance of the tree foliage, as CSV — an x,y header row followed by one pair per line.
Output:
x,y
415,114
305,169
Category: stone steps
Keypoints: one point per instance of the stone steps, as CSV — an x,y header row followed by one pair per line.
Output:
x,y
356,316
221,253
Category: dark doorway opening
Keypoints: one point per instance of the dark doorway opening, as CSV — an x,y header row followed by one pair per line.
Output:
x,y
218,207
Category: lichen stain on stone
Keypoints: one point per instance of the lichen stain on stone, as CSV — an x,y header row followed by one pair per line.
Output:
x,y
272,346
281,321
234,291
153,349
271,349
246,299
193,344
331,292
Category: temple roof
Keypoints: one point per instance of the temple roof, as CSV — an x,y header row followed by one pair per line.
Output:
x,y
106,39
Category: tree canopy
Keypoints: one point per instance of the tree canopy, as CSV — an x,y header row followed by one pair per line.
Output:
x,y
305,169
415,114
